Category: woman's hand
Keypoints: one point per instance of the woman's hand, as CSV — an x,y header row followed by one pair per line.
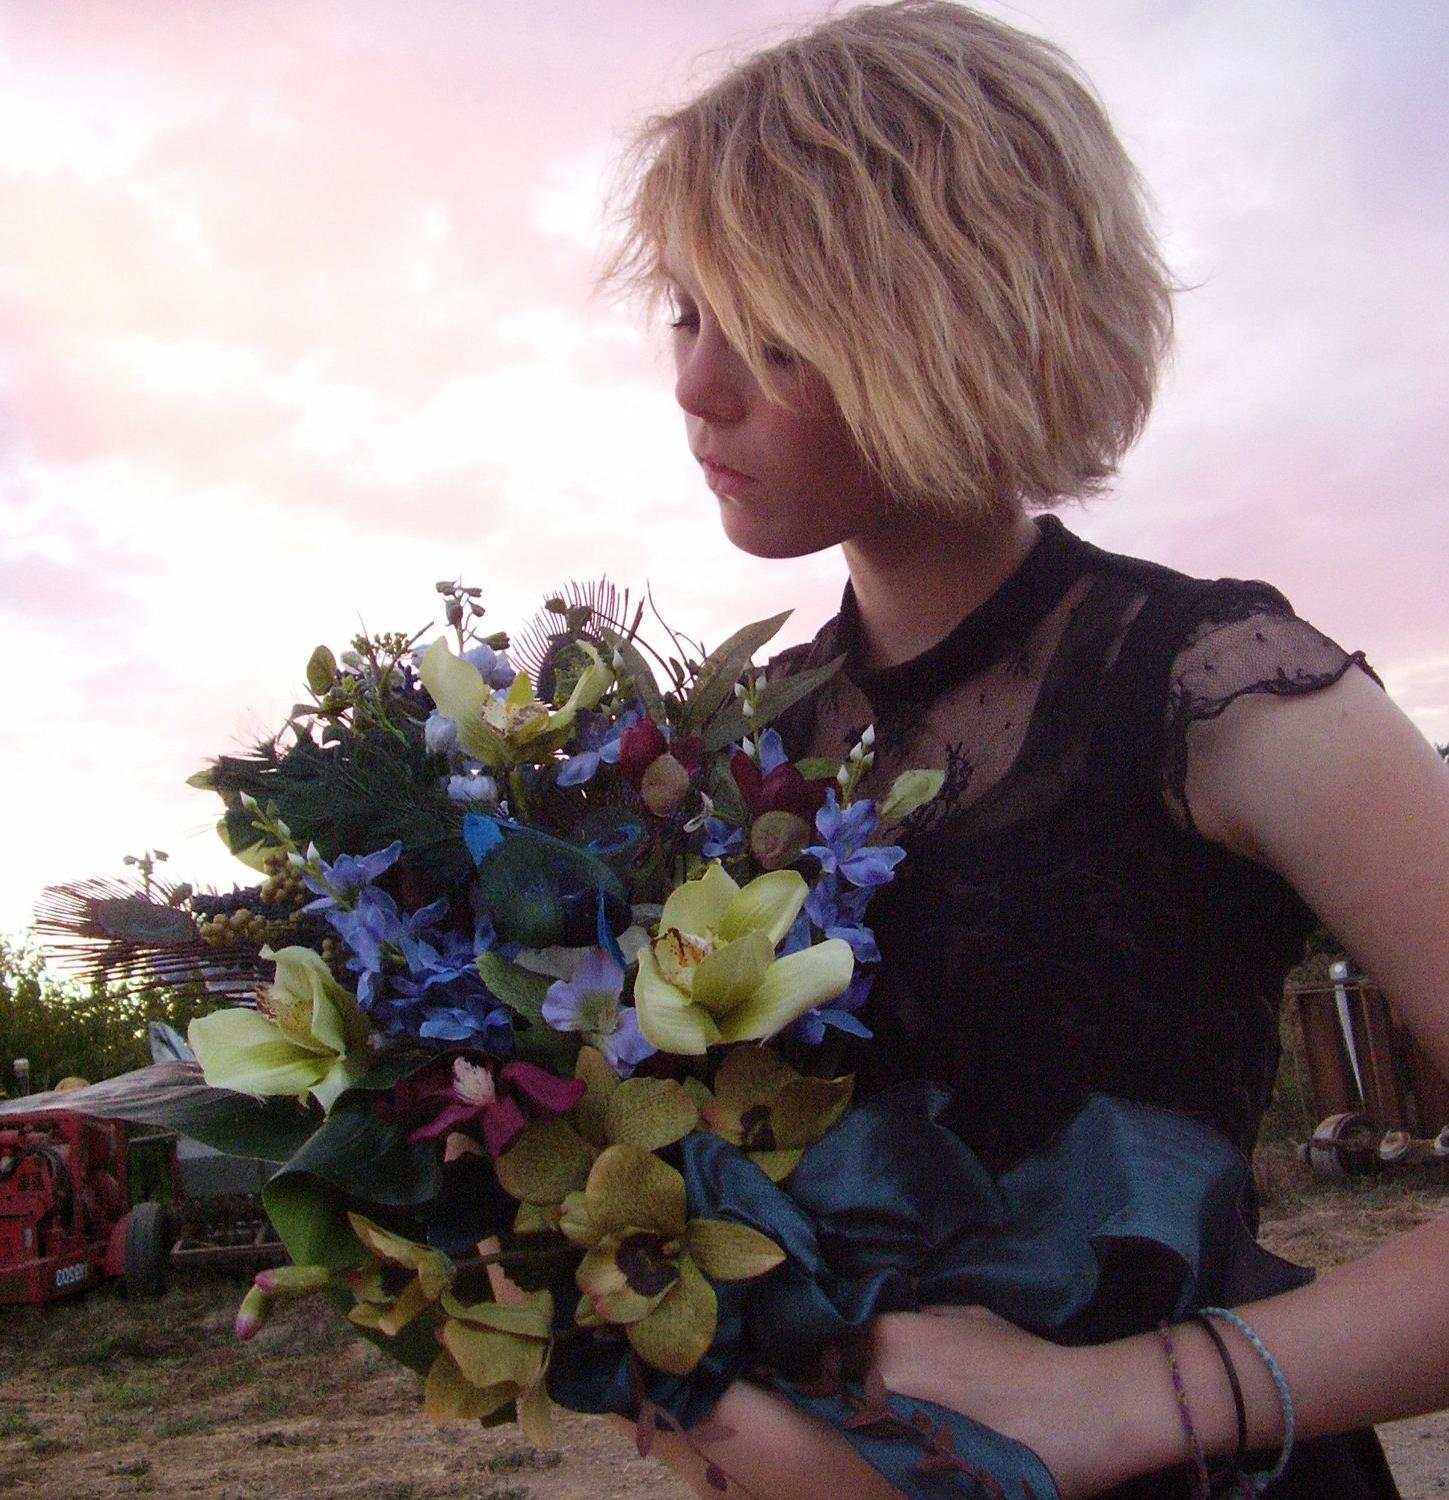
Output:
x,y
1051,1398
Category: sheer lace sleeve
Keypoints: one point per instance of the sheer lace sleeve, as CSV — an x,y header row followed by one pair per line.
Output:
x,y
1250,641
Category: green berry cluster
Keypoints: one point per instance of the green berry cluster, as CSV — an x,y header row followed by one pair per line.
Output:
x,y
284,885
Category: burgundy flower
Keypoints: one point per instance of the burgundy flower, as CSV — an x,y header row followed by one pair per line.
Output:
x,y
452,1093
782,790
639,747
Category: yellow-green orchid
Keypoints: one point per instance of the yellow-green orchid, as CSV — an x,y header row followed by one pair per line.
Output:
x,y
424,1273
493,1353
647,1268
305,1036
712,976
552,1158
504,732
762,1105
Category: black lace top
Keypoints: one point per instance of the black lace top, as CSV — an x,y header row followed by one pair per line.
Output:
x,y
1059,927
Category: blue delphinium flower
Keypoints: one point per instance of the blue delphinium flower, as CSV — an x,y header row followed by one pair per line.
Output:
x,y
339,884
840,1014
374,931
772,751
844,850
492,666
721,840
589,1003
598,739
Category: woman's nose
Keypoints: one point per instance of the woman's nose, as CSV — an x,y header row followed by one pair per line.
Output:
x,y
711,380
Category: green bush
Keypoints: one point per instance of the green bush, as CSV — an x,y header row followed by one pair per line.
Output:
x,y
67,1028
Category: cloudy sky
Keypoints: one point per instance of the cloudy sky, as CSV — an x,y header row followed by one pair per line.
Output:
x,y
296,317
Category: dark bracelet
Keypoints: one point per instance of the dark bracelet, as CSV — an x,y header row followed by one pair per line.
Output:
x,y
1240,1408
1256,1483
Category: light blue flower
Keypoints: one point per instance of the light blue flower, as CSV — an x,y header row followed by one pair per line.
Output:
x,y
589,1003
340,884
598,740
721,840
845,851
492,666
839,1014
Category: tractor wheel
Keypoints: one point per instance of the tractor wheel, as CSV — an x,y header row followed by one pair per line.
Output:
x,y
148,1250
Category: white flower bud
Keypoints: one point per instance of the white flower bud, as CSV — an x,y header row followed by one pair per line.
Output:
x,y
842,776
249,802
739,690
868,760
868,738
747,708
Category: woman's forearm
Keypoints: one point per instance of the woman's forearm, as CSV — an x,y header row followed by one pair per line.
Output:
x,y
1365,1343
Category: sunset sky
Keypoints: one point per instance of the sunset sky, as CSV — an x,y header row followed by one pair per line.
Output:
x,y
297,316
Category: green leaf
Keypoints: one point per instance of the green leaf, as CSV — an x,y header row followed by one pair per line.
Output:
x,y
368,1158
910,790
311,1220
818,767
519,989
390,1068
773,699
523,992
638,674
321,670
723,668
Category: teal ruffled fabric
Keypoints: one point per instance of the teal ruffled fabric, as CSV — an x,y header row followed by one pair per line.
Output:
x,y
1133,1215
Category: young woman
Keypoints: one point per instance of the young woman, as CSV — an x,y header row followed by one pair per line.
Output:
x,y
915,303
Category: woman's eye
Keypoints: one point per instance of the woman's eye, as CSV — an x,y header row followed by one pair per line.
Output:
x,y
780,357
682,313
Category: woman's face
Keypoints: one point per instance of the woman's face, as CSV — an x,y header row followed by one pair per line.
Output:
x,y
788,476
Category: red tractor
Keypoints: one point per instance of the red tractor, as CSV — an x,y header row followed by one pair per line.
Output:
x,y
66,1219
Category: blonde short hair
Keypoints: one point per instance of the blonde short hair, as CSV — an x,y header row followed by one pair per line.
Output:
x,y
932,210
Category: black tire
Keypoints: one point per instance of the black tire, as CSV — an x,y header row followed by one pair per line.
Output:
x,y
148,1250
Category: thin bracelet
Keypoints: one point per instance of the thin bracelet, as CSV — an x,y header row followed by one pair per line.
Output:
x,y
1203,1488
1225,1315
1240,1409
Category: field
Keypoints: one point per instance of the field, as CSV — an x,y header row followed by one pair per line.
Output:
x,y
109,1398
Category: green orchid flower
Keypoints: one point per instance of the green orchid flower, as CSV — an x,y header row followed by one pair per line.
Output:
x,y
515,729
762,1105
648,1267
552,1158
493,1353
711,975
305,1036
399,1281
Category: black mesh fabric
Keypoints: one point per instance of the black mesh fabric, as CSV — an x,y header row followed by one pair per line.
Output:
x,y
1059,927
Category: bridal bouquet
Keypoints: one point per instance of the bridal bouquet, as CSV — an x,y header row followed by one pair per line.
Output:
x,y
530,931
540,1009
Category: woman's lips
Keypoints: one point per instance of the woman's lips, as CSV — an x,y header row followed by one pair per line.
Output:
x,y
724,480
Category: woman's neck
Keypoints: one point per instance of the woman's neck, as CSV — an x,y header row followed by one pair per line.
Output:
x,y
916,578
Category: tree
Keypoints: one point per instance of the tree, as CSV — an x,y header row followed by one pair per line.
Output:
x,y
69,1029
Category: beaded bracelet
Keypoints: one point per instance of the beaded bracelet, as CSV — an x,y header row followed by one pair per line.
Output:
x,y
1225,1315
1202,1489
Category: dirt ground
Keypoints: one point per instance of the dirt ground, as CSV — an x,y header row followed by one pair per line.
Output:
x,y
108,1398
